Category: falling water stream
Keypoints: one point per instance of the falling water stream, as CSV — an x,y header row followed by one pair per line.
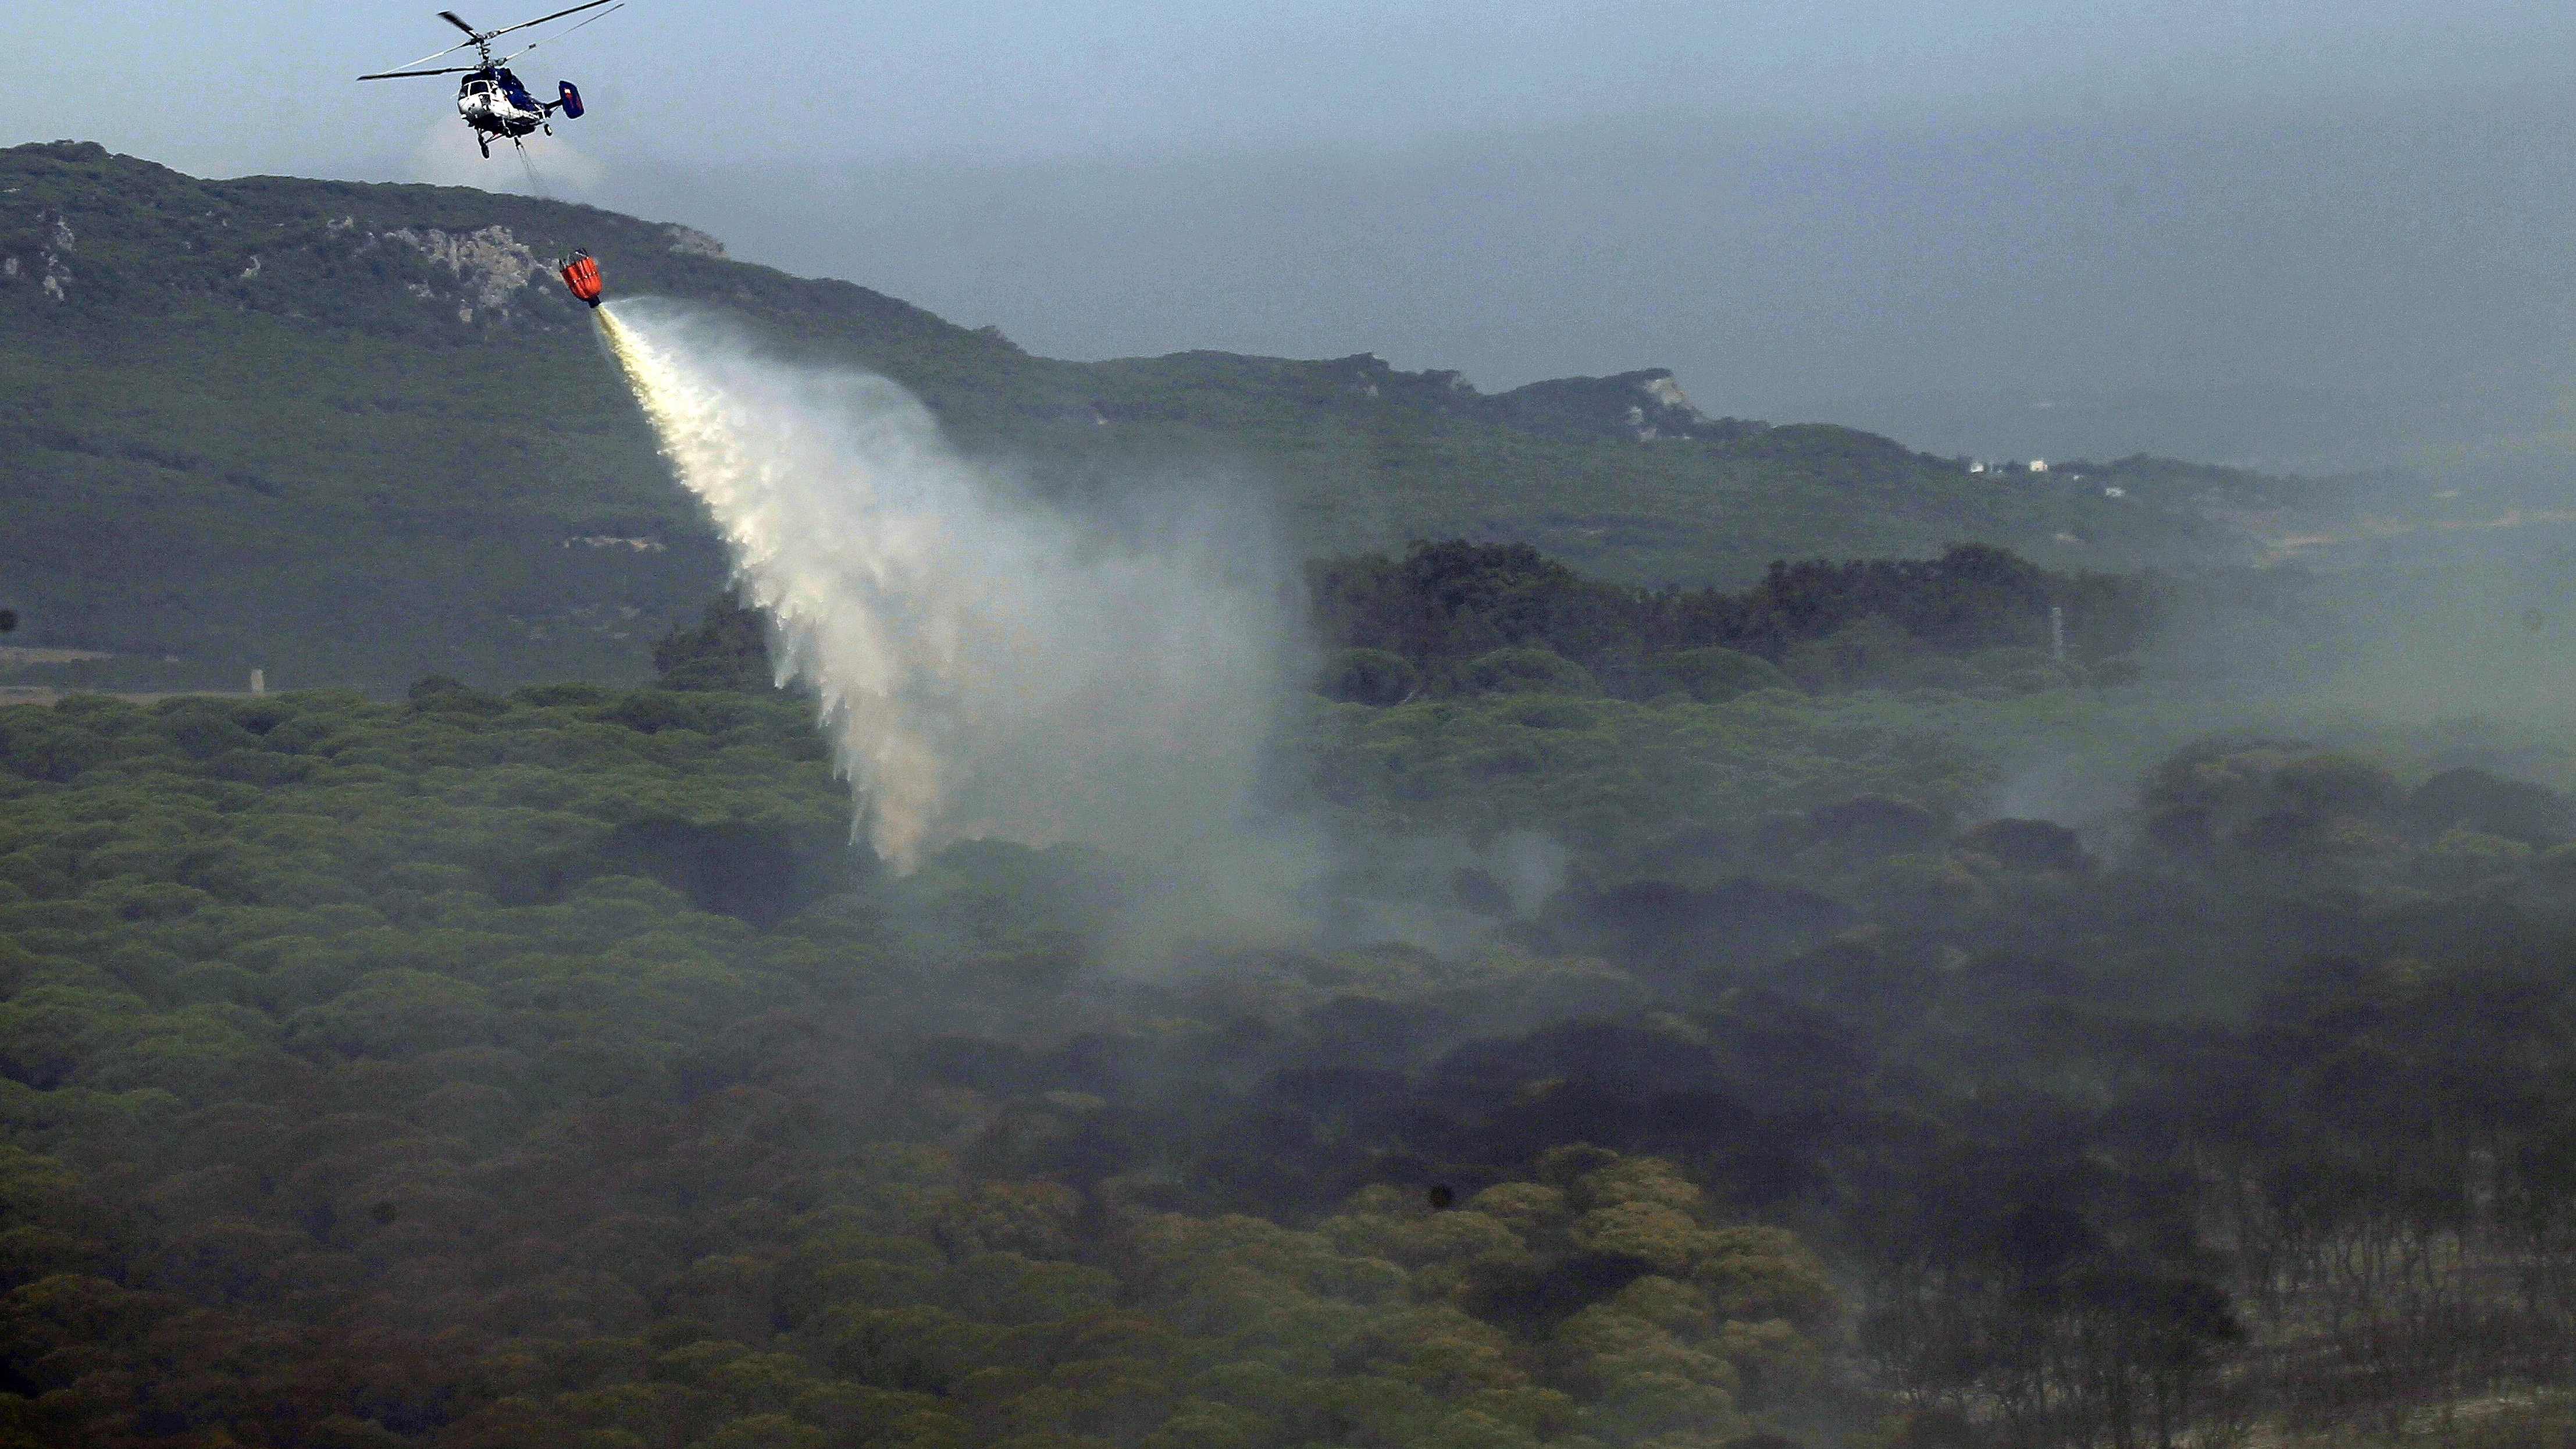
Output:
x,y
987,665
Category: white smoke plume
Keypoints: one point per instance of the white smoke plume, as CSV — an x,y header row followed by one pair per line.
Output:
x,y
988,666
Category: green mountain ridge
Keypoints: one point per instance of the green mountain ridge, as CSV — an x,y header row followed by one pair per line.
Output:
x,y
354,433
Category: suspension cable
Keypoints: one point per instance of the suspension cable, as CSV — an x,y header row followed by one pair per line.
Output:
x,y
535,183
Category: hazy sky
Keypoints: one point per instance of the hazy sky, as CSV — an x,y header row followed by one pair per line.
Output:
x,y
2168,209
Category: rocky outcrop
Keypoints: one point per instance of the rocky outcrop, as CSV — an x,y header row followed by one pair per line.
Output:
x,y
688,241
47,267
491,265
1644,406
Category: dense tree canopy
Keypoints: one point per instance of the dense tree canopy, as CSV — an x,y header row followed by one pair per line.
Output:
x,y
1467,616
1707,1069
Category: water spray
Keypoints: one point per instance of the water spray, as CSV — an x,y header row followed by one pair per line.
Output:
x,y
986,665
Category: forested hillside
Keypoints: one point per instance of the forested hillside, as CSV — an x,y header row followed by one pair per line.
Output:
x,y
353,434
1460,616
1635,1067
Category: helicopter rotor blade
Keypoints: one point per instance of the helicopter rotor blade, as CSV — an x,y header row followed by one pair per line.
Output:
x,y
484,37
426,59
542,19
533,44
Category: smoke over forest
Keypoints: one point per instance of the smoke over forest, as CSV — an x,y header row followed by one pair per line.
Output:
x,y
1054,958
1902,1003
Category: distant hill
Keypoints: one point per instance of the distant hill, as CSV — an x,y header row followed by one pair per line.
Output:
x,y
357,433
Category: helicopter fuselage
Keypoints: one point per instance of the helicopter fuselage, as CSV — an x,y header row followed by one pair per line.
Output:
x,y
495,104
490,99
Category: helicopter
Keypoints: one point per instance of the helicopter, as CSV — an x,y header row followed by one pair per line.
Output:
x,y
490,98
